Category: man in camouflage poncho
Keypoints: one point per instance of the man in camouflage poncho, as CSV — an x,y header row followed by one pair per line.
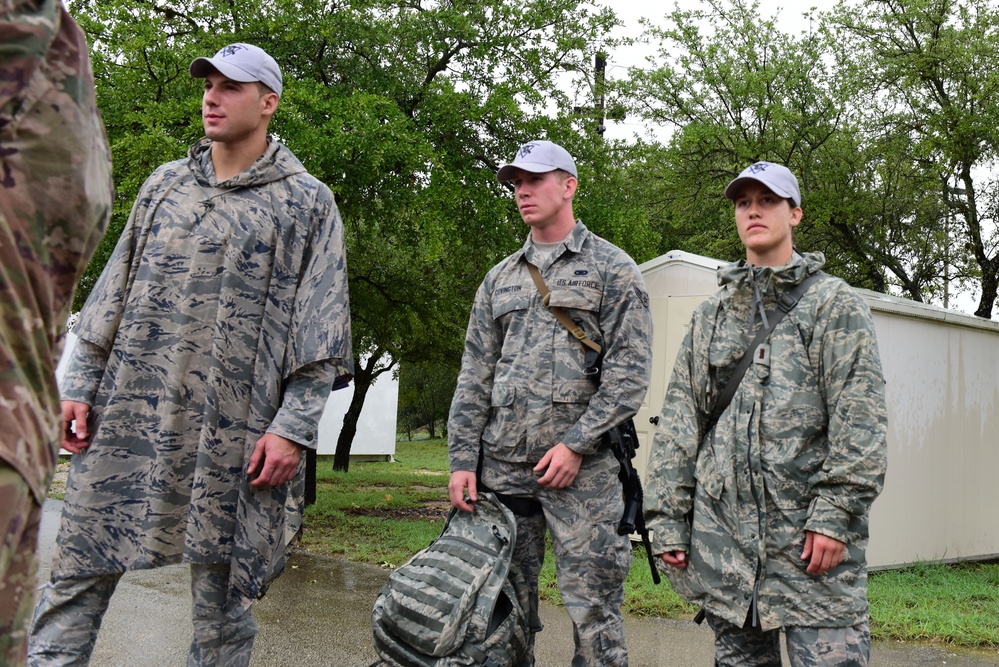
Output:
x,y
763,519
206,353
523,396
55,200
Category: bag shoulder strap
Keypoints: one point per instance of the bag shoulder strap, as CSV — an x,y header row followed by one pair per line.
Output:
x,y
560,314
785,305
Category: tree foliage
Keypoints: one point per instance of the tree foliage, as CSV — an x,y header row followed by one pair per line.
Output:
x,y
928,69
877,108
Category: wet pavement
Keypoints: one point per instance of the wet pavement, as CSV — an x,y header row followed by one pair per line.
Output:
x,y
318,614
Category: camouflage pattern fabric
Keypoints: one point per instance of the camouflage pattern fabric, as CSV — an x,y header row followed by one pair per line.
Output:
x,y
591,559
736,646
801,447
67,619
55,200
217,295
522,390
220,639
20,516
70,612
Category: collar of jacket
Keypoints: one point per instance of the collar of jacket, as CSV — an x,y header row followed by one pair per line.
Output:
x,y
573,242
739,274
275,164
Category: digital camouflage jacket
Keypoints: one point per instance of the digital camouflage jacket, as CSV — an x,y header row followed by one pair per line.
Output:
x,y
801,447
521,389
55,201
216,295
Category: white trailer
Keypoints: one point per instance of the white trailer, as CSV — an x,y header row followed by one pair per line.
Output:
x,y
940,501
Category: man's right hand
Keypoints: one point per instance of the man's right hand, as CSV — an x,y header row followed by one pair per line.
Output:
x,y
676,559
75,413
461,480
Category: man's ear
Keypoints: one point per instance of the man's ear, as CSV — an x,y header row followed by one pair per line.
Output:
x,y
570,186
270,104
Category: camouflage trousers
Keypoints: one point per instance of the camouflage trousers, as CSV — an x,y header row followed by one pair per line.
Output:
x,y
20,516
806,647
70,611
591,559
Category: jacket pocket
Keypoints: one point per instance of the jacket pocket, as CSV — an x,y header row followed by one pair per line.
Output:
x,y
708,472
570,398
504,431
583,308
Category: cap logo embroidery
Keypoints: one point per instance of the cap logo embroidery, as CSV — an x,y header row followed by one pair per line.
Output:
x,y
759,167
526,149
232,49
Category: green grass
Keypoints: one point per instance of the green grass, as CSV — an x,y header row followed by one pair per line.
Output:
x,y
954,604
383,513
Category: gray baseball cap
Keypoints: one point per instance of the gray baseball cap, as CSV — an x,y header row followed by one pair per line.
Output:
x,y
241,62
776,177
538,157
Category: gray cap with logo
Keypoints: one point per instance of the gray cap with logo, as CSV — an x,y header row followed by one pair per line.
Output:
x,y
241,62
776,177
538,157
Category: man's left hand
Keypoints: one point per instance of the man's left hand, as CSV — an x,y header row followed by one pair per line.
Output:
x,y
274,461
562,467
823,553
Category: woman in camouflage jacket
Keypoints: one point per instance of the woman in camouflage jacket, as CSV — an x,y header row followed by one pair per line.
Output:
x,y
763,519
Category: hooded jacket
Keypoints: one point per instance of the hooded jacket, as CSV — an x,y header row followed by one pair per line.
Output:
x,y
217,297
800,448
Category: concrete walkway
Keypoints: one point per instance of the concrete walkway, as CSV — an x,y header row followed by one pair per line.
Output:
x,y
318,614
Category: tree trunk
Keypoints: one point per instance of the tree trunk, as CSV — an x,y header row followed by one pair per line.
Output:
x,y
364,375
990,286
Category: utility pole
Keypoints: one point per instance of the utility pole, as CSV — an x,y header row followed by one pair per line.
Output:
x,y
597,110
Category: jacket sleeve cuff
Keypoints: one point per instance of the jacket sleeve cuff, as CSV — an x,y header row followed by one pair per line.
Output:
x,y
300,431
576,441
827,519
83,373
670,536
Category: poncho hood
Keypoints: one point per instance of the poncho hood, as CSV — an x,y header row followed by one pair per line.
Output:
x,y
275,164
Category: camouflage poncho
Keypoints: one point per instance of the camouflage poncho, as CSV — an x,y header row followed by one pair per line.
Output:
x,y
801,447
55,201
216,294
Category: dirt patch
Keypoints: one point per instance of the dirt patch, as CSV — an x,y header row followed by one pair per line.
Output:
x,y
436,511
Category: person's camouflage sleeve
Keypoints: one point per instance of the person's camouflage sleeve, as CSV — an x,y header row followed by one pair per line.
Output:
x,y
55,200
303,402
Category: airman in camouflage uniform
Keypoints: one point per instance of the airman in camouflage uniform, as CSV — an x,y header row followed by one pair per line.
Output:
x,y
524,398
206,353
55,200
763,519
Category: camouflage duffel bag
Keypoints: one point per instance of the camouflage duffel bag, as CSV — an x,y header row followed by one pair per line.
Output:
x,y
460,601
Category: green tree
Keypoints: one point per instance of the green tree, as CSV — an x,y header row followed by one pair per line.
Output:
x,y
931,83
425,392
734,88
